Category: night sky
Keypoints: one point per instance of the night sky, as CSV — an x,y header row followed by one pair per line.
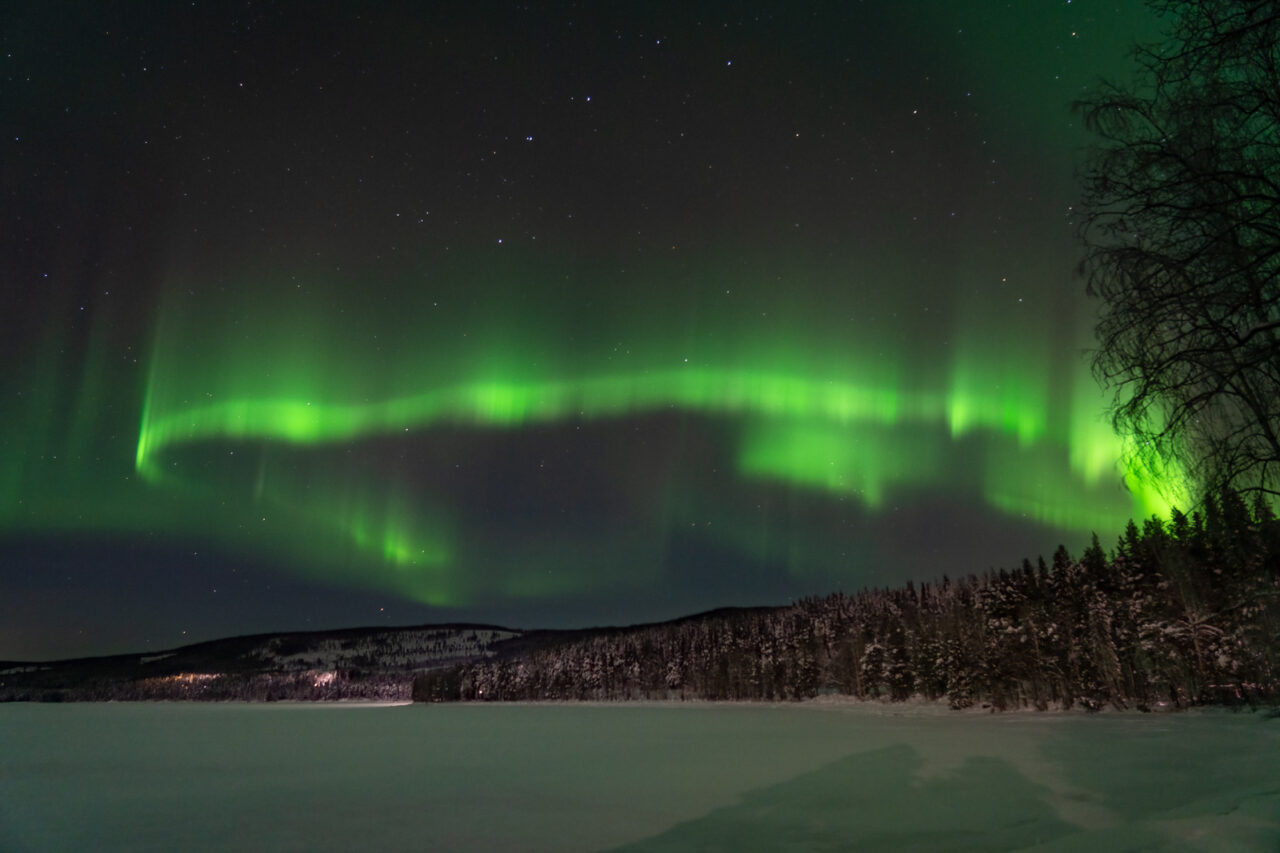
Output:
x,y
316,315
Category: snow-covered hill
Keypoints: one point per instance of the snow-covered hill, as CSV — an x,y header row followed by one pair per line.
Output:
x,y
380,649
369,663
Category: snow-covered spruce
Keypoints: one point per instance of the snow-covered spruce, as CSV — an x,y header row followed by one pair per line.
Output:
x,y
1180,613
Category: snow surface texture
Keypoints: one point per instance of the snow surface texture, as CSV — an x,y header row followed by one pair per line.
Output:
x,y
635,777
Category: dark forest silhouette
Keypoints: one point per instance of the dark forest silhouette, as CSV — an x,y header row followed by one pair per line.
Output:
x,y
1181,612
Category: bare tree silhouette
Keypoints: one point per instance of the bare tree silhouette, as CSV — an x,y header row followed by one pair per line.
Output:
x,y
1181,223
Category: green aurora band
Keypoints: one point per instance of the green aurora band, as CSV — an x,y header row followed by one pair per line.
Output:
x,y
258,416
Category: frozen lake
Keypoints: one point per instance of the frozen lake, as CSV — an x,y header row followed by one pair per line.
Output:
x,y
636,777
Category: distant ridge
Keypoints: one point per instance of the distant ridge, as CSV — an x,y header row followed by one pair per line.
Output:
x,y
319,665
377,663
344,663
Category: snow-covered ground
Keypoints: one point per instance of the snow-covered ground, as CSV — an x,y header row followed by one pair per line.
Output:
x,y
823,776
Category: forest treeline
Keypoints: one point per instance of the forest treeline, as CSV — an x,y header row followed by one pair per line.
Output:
x,y
1180,612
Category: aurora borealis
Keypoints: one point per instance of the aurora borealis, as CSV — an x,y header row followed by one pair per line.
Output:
x,y
548,316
